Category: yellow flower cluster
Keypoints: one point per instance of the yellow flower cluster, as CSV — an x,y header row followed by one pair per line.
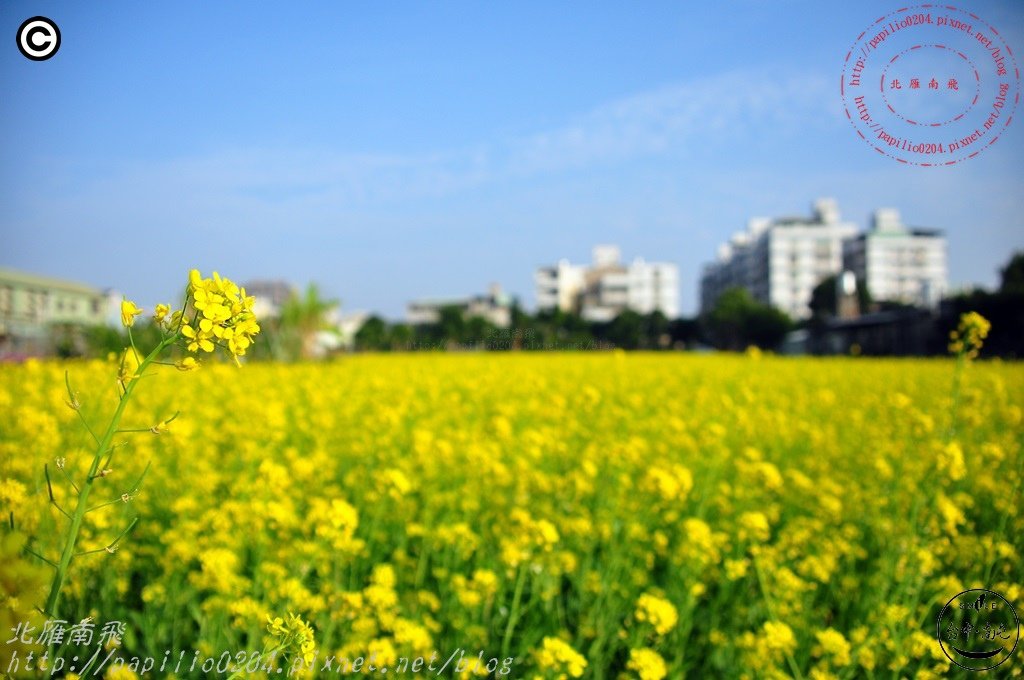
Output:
x,y
559,660
833,645
969,335
658,612
631,516
218,313
647,664
293,636
769,648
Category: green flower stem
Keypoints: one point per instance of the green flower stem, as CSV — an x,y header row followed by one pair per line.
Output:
x,y
81,505
770,604
955,406
266,651
513,616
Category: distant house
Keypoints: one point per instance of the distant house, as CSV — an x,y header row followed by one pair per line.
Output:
x,y
271,296
495,306
348,325
33,309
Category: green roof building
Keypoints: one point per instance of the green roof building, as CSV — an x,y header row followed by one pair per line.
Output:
x,y
34,309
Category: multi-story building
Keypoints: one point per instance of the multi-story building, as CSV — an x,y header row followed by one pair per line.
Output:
x,y
558,286
494,306
32,307
653,286
736,266
780,261
898,263
607,287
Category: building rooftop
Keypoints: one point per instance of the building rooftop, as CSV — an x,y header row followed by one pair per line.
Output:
x,y
277,290
15,276
908,231
796,221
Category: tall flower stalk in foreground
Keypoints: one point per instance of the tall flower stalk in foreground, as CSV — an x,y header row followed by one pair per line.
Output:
x,y
965,342
215,314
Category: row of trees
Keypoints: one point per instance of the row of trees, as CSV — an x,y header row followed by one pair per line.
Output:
x,y
736,322
1003,307
545,330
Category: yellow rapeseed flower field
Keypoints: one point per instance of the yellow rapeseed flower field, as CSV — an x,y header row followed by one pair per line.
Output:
x,y
595,515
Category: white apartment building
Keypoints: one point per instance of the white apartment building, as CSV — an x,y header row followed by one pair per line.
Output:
x,y
898,263
780,261
653,286
604,289
558,286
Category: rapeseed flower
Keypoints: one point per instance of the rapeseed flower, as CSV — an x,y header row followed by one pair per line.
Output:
x,y
293,636
833,645
736,569
128,313
969,335
218,314
658,612
187,364
647,664
779,637
754,526
161,312
129,366
378,499
951,461
558,657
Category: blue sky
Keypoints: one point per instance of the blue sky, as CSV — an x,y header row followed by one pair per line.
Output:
x,y
390,151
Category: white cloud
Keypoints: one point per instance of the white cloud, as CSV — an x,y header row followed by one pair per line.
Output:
x,y
701,112
711,111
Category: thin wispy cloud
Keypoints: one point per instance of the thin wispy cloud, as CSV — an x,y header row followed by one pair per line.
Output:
x,y
699,112
671,119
